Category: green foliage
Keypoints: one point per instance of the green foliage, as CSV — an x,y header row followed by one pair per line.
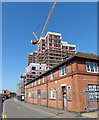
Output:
x,y
3,94
12,94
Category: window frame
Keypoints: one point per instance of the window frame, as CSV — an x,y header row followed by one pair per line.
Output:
x,y
32,94
62,70
52,95
69,93
59,93
39,81
43,94
40,68
94,67
33,68
95,88
51,75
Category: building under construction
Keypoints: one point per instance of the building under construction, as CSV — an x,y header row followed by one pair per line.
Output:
x,y
21,90
34,70
51,50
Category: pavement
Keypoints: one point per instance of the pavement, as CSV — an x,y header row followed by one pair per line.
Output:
x,y
93,114
57,112
66,114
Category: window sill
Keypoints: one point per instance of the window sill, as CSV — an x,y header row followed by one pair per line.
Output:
x,y
52,98
69,100
92,72
62,75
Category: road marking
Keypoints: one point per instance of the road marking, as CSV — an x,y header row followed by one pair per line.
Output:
x,y
3,114
4,117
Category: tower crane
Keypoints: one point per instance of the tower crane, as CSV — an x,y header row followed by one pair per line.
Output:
x,y
45,26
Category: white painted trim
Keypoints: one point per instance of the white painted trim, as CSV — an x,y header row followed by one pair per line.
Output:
x,y
63,85
89,79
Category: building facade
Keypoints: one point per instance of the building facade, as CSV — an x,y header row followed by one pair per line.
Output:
x,y
51,50
34,70
21,90
6,92
72,85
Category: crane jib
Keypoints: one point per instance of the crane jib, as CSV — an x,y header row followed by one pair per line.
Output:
x,y
45,26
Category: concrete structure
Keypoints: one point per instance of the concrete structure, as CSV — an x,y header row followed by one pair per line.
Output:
x,y
34,70
21,90
51,50
72,85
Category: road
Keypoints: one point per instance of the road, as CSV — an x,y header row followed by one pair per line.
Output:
x,y
16,109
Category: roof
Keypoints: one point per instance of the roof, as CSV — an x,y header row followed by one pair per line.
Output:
x,y
66,44
87,55
7,91
77,55
30,53
52,33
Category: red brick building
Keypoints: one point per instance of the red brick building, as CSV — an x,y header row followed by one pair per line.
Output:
x,y
6,91
72,85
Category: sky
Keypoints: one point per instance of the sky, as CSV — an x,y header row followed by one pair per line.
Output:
x,y
76,21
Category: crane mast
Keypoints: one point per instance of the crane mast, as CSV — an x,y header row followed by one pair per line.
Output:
x,y
45,26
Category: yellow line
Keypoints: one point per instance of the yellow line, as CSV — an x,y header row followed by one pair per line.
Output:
x,y
3,114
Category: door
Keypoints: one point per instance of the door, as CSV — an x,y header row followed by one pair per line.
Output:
x,y
64,101
64,97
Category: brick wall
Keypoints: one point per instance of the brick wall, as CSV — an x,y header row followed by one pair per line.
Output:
x,y
78,79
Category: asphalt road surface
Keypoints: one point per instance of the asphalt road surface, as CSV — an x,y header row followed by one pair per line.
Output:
x,y
16,109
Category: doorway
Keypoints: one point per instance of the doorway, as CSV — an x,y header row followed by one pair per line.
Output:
x,y
64,97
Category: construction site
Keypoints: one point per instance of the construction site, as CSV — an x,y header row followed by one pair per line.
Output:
x,y
50,64
51,50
